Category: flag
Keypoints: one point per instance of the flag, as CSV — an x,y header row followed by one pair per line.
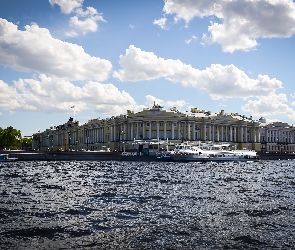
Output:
x,y
73,107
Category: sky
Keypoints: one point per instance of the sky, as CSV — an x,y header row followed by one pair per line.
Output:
x,y
91,59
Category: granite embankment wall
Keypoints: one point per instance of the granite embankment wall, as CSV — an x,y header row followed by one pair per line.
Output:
x,y
62,156
22,155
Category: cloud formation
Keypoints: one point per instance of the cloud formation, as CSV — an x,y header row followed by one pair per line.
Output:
x,y
86,20
34,49
188,41
52,94
275,104
161,23
220,81
83,21
150,100
239,23
67,6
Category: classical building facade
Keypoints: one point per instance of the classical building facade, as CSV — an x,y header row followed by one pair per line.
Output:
x,y
151,126
277,137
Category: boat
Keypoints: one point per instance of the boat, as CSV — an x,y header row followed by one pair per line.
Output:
x,y
211,152
5,157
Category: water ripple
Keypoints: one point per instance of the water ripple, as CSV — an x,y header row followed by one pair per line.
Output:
x,y
139,205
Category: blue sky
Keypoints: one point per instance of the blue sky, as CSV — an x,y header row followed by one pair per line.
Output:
x,y
107,56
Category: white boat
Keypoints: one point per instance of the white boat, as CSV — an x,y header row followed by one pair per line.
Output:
x,y
211,152
185,152
5,157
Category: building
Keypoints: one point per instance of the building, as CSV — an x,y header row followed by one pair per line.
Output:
x,y
63,137
277,137
150,127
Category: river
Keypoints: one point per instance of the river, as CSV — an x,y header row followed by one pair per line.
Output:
x,y
147,205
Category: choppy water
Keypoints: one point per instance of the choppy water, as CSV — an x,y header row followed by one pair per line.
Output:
x,y
137,205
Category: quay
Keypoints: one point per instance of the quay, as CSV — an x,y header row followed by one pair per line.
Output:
x,y
23,155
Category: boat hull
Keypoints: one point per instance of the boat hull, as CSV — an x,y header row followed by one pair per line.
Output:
x,y
190,158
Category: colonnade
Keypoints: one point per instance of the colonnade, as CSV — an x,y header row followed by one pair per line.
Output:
x,y
172,130
94,135
276,136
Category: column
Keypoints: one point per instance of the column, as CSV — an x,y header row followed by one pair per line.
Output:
x,y
189,131
137,131
209,133
231,133
179,131
204,132
150,130
172,130
132,137
143,130
124,131
194,131
111,139
165,132
158,129
217,132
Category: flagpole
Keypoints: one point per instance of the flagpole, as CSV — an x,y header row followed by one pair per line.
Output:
x,y
74,107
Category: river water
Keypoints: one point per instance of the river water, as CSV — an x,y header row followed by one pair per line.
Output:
x,y
140,205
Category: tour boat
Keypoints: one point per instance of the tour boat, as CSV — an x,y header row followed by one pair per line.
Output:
x,y
211,152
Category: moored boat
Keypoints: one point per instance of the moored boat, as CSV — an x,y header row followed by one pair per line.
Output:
x,y
5,157
211,152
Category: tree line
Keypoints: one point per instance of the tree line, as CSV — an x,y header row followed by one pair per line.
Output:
x,y
11,138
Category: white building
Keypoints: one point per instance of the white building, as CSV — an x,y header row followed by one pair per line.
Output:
x,y
149,126
277,137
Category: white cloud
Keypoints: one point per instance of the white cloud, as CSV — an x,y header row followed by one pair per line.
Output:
x,y
161,23
132,26
88,24
177,104
150,100
83,21
270,105
193,38
34,49
220,81
8,96
90,17
71,33
51,94
241,22
189,9
67,6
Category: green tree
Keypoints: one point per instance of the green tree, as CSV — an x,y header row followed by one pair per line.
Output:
x,y
1,138
10,138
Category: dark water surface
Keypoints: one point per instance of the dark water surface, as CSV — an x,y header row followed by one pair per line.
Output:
x,y
139,205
